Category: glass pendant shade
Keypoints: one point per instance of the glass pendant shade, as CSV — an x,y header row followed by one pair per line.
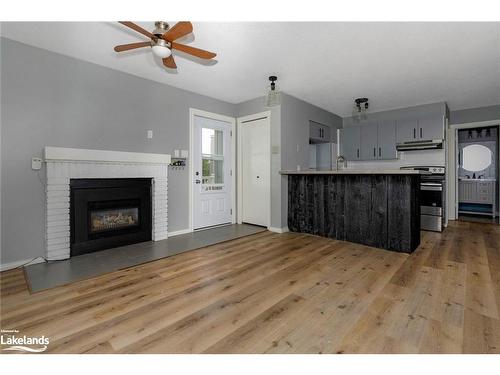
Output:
x,y
273,98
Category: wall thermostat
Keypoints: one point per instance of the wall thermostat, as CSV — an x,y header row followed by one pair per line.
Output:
x,y
36,164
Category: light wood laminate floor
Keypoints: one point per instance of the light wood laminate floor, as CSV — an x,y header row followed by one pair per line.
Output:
x,y
279,293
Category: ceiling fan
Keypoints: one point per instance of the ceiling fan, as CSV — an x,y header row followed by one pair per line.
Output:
x,y
163,39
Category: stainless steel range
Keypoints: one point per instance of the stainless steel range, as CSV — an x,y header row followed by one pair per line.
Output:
x,y
432,197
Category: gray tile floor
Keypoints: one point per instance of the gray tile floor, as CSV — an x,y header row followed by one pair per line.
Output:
x,y
48,275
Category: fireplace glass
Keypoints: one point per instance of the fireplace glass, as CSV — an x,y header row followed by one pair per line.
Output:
x,y
102,220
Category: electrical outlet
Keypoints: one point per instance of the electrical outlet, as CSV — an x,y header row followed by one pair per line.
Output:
x,y
36,163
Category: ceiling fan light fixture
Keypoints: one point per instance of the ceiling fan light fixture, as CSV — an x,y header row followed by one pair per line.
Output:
x,y
161,49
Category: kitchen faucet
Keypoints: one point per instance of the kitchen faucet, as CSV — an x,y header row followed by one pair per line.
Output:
x,y
341,159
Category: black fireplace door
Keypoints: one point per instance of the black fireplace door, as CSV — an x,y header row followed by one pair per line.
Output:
x,y
107,213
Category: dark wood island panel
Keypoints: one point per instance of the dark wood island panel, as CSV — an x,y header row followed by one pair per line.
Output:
x,y
375,210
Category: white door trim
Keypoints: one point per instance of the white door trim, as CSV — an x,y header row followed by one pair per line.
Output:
x,y
452,133
214,116
239,189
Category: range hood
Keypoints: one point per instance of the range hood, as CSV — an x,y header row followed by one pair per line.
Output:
x,y
430,144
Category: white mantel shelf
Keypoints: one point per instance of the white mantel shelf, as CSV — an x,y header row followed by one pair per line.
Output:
x,y
64,164
82,155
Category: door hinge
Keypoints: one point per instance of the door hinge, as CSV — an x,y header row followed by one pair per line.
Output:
x,y
230,133
230,172
231,211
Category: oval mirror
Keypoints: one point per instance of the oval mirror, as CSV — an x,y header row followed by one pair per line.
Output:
x,y
476,158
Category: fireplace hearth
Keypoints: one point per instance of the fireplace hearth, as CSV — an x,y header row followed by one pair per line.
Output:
x,y
106,213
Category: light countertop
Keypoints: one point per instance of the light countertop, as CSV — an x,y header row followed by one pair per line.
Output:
x,y
357,171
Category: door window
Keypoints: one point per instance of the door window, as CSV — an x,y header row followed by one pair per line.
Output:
x,y
212,158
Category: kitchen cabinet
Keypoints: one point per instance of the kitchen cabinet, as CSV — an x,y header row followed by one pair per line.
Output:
x,y
318,133
368,142
350,142
421,129
386,138
406,130
431,128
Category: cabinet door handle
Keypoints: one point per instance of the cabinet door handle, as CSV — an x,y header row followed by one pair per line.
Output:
x,y
414,133
379,152
421,136
358,152
374,152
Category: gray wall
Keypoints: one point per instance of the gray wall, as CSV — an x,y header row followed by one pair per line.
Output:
x,y
53,100
464,116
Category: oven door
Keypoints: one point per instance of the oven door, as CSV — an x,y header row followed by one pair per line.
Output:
x,y
431,197
431,206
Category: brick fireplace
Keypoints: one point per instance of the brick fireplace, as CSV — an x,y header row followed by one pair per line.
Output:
x,y
65,166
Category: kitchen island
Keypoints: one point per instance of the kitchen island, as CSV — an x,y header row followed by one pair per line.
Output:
x,y
378,208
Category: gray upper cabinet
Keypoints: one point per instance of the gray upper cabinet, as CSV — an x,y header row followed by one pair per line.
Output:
x,y
350,138
387,140
421,129
370,141
431,128
318,133
369,147
407,130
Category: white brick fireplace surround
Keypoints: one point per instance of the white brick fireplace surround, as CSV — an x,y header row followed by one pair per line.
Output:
x,y
64,164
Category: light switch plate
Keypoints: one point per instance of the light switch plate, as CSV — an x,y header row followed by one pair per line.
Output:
x,y
177,154
275,149
36,164
184,153
150,134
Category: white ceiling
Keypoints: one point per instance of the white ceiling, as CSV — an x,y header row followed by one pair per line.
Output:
x,y
327,64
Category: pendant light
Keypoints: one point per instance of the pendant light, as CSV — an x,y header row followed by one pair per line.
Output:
x,y
359,109
273,96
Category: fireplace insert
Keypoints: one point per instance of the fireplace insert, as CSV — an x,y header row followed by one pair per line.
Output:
x,y
106,213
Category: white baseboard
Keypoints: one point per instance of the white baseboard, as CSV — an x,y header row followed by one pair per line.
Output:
x,y
179,232
278,230
11,265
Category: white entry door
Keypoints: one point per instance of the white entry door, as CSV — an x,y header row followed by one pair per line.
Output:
x,y
255,166
212,188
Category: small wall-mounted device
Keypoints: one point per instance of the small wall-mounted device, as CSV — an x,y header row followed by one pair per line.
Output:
x,y
184,153
150,134
177,153
36,163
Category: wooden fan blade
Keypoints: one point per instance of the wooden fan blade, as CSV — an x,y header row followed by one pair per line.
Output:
x,y
137,28
126,47
193,51
178,30
169,62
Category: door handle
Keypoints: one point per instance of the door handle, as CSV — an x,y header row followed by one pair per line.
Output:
x,y
197,181
421,136
379,152
358,152
414,133
374,152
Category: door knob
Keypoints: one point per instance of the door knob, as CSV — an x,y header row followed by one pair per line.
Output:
x,y
258,176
